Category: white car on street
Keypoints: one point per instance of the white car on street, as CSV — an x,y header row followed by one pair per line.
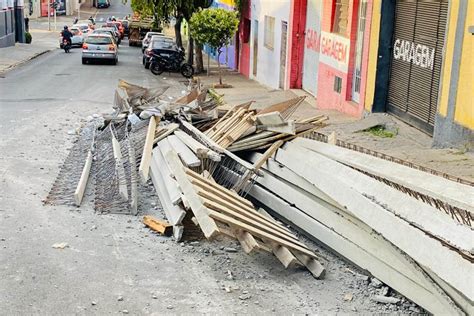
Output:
x,y
77,39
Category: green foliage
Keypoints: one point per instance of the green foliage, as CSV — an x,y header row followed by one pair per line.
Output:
x,y
214,27
162,10
28,38
380,131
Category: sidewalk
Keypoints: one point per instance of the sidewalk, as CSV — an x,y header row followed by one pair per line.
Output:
x,y
407,143
13,56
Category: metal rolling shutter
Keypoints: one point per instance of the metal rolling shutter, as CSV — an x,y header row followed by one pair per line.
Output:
x,y
419,30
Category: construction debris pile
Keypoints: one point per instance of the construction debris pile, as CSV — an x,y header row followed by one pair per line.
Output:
x,y
408,228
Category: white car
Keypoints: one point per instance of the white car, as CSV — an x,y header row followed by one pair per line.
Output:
x,y
77,39
146,40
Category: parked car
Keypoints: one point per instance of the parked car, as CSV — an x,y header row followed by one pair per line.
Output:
x,y
107,32
164,46
114,30
99,47
77,39
103,4
125,27
146,40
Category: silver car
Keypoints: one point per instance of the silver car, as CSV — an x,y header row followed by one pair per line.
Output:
x,y
77,37
99,47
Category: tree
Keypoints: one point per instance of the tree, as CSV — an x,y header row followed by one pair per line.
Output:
x,y
214,27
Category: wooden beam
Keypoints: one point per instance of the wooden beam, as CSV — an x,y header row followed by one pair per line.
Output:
x,y
170,185
157,225
259,233
208,226
81,185
199,149
144,167
246,240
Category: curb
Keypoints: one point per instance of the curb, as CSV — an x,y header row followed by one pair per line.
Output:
x,y
11,67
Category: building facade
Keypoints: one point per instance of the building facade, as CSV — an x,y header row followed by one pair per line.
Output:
x,y
12,25
420,65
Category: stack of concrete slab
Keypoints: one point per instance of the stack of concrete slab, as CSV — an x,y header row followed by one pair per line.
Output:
x,y
338,197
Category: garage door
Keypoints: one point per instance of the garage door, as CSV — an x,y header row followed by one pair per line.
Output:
x,y
311,48
418,42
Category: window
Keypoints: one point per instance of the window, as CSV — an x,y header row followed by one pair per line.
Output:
x,y
269,35
337,84
246,31
340,17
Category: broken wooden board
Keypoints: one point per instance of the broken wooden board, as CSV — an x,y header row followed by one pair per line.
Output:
x,y
400,273
274,122
285,108
427,251
157,225
144,167
169,129
170,184
456,194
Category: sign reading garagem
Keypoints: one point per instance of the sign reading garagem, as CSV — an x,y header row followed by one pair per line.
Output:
x,y
417,54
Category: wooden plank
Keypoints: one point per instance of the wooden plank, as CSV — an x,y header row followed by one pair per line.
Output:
x,y
119,168
454,193
218,188
174,213
157,225
260,233
398,271
169,130
427,251
246,240
252,220
286,108
144,167
186,155
81,185
281,252
208,226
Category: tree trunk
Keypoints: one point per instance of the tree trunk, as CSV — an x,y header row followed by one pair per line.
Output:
x,y
219,51
177,31
190,49
199,61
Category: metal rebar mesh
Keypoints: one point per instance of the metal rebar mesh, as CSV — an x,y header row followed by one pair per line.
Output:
x,y
65,184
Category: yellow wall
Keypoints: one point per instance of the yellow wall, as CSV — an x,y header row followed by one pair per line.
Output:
x,y
373,55
464,114
448,58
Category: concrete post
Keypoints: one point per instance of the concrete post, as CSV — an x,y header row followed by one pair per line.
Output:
x,y
19,21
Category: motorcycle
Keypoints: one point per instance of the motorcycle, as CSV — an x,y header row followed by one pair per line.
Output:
x,y
66,46
172,63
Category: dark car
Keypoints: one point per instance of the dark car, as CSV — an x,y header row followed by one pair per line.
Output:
x,y
103,4
158,46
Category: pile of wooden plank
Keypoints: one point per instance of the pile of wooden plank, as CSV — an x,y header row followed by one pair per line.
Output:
x,y
413,247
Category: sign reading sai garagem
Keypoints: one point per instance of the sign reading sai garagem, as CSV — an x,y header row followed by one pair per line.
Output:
x,y
334,51
417,54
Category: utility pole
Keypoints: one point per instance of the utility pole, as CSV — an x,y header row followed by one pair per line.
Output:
x,y
79,9
49,15
55,18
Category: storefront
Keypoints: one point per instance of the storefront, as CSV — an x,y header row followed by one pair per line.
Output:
x,y
312,46
416,61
